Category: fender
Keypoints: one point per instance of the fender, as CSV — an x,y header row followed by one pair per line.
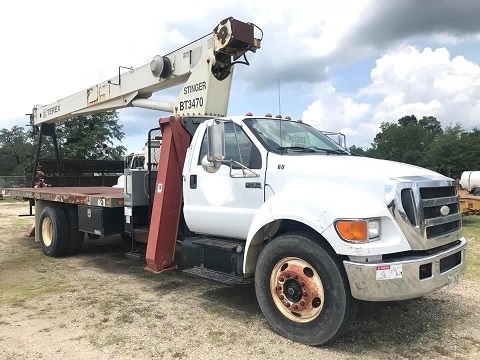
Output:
x,y
318,210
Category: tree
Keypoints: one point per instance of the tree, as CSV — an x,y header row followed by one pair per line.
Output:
x,y
15,150
90,137
455,151
407,141
357,150
431,125
406,120
84,137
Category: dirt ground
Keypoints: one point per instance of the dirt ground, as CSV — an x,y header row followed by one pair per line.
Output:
x,y
101,305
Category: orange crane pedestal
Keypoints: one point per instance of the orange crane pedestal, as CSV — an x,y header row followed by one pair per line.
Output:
x,y
162,234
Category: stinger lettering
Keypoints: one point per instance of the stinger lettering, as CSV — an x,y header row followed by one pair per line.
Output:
x,y
189,89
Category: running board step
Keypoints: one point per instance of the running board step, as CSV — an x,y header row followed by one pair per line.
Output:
x,y
220,244
217,276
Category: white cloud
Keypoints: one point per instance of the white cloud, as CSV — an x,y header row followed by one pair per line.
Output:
x,y
337,112
321,30
427,82
404,81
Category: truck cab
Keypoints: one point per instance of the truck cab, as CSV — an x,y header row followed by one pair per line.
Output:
x,y
391,231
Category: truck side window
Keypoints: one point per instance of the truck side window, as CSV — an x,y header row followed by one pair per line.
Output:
x,y
235,140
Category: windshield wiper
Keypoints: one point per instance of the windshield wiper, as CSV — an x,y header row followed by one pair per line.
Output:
x,y
296,148
330,151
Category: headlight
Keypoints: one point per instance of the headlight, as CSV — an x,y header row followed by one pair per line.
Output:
x,y
359,230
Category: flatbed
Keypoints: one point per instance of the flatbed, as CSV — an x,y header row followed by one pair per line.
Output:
x,y
94,196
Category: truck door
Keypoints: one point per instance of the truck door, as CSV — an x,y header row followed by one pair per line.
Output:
x,y
224,203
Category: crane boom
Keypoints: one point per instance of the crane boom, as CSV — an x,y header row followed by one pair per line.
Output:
x,y
205,65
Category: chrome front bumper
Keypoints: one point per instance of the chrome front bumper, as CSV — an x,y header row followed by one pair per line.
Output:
x,y
407,277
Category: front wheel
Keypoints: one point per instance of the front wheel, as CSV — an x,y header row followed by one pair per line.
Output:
x,y
303,290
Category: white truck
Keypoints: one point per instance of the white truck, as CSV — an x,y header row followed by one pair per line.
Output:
x,y
260,198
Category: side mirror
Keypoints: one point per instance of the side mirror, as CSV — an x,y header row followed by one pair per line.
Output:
x,y
216,141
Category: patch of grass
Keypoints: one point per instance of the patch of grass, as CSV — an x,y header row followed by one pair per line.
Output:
x,y
17,291
22,223
78,338
105,306
20,279
179,355
125,318
216,336
145,311
110,301
471,230
99,341
12,200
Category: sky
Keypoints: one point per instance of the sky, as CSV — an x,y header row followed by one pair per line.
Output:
x,y
344,65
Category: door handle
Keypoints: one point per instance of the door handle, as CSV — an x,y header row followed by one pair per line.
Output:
x,y
193,181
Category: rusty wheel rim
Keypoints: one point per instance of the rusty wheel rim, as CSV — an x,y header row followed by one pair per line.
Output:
x,y
47,231
297,289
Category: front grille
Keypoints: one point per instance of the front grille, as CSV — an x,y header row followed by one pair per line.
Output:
x,y
408,202
436,192
434,211
434,200
442,229
426,209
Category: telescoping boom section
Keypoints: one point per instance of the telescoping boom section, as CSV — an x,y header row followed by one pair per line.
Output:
x,y
205,65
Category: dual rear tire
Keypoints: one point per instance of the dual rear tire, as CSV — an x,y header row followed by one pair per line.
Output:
x,y
58,232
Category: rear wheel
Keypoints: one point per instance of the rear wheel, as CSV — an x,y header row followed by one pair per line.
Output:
x,y
303,291
476,192
54,230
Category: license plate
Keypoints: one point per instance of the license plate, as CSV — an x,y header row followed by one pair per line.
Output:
x,y
452,279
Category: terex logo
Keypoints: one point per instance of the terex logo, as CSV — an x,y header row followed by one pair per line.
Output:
x,y
51,110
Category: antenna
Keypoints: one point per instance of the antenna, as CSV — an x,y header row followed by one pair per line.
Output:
x,y
279,98
280,112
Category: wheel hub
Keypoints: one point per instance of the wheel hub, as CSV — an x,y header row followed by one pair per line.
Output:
x,y
292,290
297,289
47,231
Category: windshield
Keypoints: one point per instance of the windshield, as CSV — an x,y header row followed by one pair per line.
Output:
x,y
286,136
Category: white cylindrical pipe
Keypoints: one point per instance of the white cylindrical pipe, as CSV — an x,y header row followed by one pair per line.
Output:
x,y
153,105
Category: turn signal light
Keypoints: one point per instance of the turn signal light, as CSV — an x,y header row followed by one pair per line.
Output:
x,y
352,230
359,230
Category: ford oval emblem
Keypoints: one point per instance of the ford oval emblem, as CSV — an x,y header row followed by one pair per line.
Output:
x,y
444,210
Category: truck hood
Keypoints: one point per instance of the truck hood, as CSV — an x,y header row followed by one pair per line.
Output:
x,y
343,167
357,186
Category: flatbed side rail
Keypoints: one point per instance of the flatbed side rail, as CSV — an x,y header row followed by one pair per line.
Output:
x,y
93,196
